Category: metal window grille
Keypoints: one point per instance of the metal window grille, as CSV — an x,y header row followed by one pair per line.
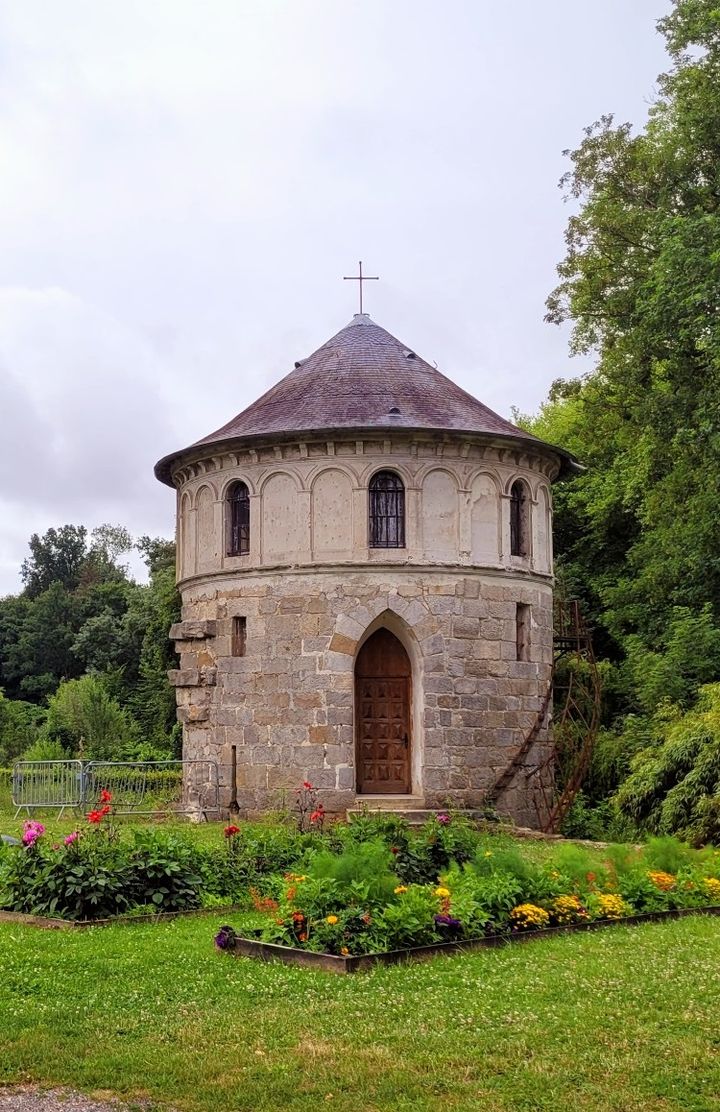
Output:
x,y
518,520
239,532
387,511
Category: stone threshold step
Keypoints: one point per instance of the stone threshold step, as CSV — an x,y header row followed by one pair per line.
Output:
x,y
414,816
388,803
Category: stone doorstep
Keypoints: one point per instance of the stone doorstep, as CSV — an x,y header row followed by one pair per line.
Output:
x,y
387,803
406,807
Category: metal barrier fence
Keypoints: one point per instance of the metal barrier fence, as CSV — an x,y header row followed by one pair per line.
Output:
x,y
137,787
47,784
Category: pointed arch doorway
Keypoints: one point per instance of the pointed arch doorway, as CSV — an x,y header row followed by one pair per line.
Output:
x,y
383,697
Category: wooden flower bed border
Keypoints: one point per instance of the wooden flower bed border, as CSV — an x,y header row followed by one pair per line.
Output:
x,y
48,923
271,951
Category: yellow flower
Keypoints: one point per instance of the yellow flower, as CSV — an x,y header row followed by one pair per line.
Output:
x,y
612,907
567,909
400,889
488,853
443,893
344,951
528,916
712,887
332,920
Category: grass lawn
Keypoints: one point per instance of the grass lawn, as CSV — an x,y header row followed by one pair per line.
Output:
x,y
623,1019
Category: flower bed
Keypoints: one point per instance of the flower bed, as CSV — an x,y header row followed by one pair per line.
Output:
x,y
349,891
363,903
248,947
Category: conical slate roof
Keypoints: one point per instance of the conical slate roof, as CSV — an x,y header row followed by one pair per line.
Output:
x,y
362,379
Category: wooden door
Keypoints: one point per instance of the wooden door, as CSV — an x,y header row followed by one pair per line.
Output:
x,y
382,715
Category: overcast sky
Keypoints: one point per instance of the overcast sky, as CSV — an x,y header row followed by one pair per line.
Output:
x,y
183,185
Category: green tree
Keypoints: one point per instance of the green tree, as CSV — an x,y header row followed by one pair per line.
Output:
x,y
636,533
56,557
86,721
19,727
639,283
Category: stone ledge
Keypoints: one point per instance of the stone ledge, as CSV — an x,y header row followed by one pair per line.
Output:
x,y
192,677
193,630
183,677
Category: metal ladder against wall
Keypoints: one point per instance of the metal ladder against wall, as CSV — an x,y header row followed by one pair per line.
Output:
x,y
575,691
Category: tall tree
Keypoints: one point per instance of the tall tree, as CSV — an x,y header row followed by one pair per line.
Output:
x,y
640,282
56,557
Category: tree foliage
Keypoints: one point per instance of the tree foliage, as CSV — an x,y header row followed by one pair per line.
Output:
x,y
84,650
637,531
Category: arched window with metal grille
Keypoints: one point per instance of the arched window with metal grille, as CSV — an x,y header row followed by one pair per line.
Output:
x,y
519,520
387,511
238,520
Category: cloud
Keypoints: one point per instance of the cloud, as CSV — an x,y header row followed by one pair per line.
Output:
x,y
82,404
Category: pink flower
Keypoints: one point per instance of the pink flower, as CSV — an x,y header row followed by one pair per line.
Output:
x,y
71,838
31,832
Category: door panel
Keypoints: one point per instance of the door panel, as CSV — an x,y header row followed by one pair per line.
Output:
x,y
383,691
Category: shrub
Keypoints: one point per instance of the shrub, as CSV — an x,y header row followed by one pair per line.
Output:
x,y
86,878
579,867
94,874
164,872
420,858
668,854
365,868
674,786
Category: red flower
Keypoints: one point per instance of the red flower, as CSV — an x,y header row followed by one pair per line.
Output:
x,y
105,796
394,849
104,811
231,831
307,785
319,815
94,816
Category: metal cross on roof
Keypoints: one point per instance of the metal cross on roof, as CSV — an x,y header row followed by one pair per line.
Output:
x,y
361,278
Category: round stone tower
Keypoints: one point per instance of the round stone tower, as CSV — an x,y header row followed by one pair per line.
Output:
x,y
365,562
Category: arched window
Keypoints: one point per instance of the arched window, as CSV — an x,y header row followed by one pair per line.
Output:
x,y
387,511
519,524
238,520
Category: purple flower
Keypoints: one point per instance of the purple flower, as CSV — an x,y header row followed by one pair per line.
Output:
x,y
447,921
225,938
443,818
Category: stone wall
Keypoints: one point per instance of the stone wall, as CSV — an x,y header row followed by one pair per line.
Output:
x,y
309,504
287,705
